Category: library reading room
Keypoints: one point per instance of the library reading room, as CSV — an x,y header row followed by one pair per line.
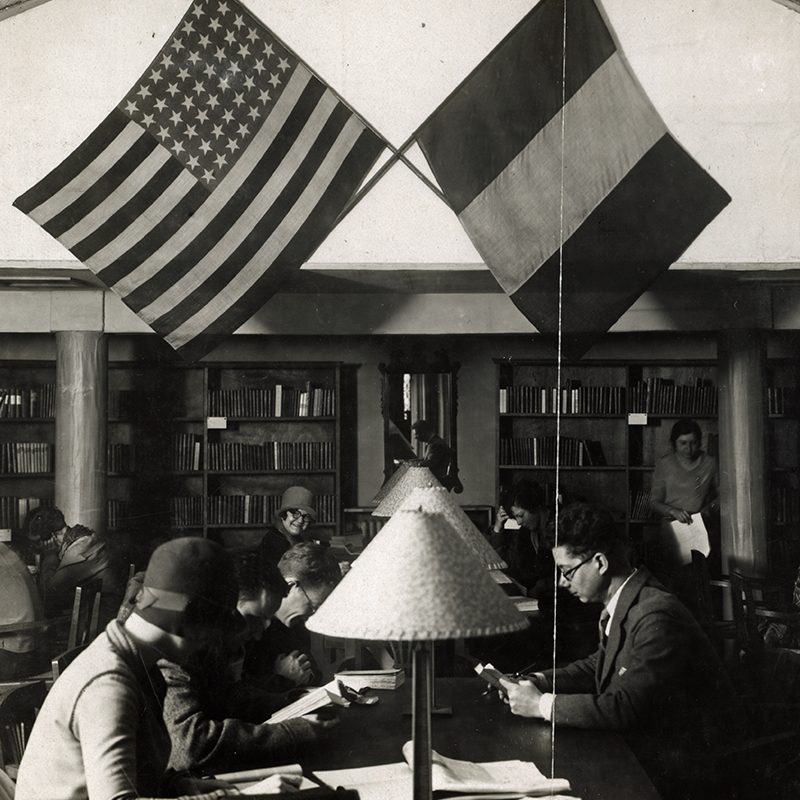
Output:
x,y
400,401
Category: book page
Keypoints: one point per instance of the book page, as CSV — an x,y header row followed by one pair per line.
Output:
x,y
311,701
453,775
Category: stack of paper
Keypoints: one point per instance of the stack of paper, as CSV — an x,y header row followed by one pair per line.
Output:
x,y
359,679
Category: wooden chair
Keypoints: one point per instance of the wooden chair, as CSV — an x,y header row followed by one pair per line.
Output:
x,y
705,609
85,620
18,710
63,660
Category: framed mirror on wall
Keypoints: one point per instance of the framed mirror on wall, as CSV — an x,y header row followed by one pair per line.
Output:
x,y
419,404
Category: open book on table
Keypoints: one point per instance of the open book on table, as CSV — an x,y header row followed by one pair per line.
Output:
x,y
312,700
490,779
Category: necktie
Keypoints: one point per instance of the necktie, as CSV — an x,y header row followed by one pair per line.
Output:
x,y
604,615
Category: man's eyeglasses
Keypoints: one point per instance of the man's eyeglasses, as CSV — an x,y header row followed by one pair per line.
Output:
x,y
314,606
569,574
298,514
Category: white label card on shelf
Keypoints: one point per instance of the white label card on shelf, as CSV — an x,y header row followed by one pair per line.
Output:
x,y
217,423
637,419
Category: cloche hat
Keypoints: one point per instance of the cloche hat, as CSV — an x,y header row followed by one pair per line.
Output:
x,y
298,497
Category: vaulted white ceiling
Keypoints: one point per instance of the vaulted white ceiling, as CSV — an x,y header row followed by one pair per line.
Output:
x,y
724,75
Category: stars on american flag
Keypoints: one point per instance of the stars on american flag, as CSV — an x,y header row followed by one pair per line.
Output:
x,y
208,91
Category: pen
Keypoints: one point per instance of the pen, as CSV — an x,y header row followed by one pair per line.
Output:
x,y
312,777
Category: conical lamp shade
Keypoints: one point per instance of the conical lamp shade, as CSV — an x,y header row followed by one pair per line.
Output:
x,y
392,482
416,582
413,478
437,500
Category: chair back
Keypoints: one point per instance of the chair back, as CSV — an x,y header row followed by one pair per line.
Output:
x,y
63,660
18,710
756,599
704,606
85,621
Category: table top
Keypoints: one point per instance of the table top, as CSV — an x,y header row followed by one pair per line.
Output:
x,y
598,764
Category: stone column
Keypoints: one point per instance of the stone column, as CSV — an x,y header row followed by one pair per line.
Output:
x,y
743,451
81,429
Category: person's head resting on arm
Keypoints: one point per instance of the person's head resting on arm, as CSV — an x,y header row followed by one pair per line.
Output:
x,y
38,531
297,513
311,572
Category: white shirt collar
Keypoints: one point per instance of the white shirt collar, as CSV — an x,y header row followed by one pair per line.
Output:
x,y
612,603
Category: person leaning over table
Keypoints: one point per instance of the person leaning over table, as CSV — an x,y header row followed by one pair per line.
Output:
x,y
525,549
216,725
655,676
281,659
290,525
100,733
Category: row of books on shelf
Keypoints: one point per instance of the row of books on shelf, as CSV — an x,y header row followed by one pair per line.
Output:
x,y
537,451
13,510
662,396
39,401
121,458
276,401
26,457
247,509
785,504
652,396
640,505
781,400
573,400
270,455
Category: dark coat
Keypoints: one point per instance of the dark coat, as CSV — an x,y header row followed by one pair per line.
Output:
x,y
658,679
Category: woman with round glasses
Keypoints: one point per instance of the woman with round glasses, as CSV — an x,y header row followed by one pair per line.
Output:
x,y
290,525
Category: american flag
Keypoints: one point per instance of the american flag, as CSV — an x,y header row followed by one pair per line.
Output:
x,y
219,173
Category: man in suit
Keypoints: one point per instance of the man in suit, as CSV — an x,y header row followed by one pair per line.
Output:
x,y
655,675
437,454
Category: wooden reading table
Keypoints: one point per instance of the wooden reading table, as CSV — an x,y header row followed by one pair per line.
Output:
x,y
598,764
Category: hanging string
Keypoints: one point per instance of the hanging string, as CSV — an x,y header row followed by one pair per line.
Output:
x,y
558,370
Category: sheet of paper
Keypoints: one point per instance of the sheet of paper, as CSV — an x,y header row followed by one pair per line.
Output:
x,y
496,779
688,537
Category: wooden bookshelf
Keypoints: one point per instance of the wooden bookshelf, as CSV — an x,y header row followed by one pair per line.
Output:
x,y
27,436
604,423
216,445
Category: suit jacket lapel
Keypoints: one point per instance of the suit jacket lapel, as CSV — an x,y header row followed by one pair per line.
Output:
x,y
614,643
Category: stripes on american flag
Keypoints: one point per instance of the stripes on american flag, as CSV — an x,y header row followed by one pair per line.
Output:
x,y
217,175
563,174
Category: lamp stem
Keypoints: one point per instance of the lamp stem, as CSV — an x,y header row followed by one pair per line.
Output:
x,y
422,681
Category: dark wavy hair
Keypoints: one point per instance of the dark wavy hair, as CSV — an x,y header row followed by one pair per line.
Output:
x,y
310,564
256,575
528,496
586,528
682,427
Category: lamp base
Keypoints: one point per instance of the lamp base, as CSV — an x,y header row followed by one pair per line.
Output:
x,y
441,704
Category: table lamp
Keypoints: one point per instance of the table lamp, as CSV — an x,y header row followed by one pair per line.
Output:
x,y
416,582
437,500
392,482
412,478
